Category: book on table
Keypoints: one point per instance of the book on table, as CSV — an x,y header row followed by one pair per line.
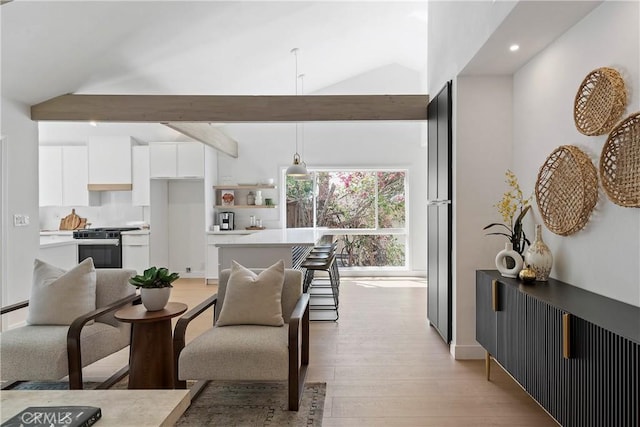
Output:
x,y
55,416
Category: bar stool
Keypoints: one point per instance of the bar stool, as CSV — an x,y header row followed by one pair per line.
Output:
x,y
318,260
320,292
322,250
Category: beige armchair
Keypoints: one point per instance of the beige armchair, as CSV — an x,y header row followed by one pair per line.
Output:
x,y
248,352
51,352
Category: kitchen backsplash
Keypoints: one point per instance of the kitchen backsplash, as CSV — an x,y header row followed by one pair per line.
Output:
x,y
115,209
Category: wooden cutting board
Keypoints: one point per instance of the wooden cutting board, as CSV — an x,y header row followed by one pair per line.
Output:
x,y
71,221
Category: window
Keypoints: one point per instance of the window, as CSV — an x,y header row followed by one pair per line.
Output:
x,y
366,208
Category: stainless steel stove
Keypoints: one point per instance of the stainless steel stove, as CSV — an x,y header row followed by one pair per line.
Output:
x,y
104,245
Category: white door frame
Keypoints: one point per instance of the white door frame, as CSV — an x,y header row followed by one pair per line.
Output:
x,y
4,220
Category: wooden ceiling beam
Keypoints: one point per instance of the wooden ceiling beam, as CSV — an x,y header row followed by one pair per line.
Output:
x,y
225,109
207,134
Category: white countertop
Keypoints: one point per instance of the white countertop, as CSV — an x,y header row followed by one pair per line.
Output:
x,y
236,232
278,237
53,240
56,233
136,232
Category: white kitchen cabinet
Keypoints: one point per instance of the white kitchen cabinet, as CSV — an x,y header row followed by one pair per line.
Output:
x,y
110,163
135,251
63,176
162,159
212,250
190,160
75,176
140,174
176,160
63,254
50,176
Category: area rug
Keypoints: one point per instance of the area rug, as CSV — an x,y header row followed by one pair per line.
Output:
x,y
233,404
254,404
49,385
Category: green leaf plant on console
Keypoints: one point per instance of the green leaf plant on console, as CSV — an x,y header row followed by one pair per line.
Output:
x,y
154,278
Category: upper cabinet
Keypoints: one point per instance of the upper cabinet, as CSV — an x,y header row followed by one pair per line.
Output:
x,y
110,163
176,160
63,176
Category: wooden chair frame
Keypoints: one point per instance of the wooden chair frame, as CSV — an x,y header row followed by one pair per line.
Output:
x,y
74,353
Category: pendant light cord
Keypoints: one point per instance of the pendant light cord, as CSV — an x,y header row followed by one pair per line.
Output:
x,y
295,54
301,77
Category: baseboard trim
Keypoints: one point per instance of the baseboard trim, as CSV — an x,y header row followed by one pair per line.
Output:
x,y
467,352
192,275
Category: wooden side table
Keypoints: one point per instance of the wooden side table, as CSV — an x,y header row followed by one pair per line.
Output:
x,y
151,352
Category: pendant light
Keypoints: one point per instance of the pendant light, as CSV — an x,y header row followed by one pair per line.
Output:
x,y
307,175
297,169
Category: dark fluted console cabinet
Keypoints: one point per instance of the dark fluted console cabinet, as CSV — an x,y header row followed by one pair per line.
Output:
x,y
575,352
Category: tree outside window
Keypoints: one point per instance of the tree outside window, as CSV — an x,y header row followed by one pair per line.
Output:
x,y
368,206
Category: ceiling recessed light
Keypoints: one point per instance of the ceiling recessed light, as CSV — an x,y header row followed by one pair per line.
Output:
x,y
514,47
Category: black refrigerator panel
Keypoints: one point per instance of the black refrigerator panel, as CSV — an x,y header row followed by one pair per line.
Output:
x,y
439,212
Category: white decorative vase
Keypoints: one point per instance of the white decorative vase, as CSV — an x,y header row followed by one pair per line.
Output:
x,y
539,257
501,261
155,299
258,198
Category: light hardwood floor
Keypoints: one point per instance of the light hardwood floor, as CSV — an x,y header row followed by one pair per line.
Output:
x,y
384,366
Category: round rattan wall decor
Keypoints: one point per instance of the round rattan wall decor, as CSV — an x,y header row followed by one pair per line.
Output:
x,y
566,190
620,163
600,102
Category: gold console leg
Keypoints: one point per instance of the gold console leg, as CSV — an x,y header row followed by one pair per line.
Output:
x,y
487,365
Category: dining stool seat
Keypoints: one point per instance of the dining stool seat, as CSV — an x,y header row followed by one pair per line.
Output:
x,y
324,297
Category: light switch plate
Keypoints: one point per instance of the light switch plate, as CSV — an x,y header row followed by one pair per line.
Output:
x,y
21,220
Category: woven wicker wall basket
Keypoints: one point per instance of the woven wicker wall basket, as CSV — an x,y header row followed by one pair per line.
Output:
x,y
566,190
600,102
620,163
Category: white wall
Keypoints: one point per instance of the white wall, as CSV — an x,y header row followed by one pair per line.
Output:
x,y
113,210
482,153
267,148
543,92
187,247
210,179
21,243
457,29
159,220
605,256
4,222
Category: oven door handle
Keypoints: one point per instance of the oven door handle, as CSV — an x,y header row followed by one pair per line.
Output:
x,y
87,242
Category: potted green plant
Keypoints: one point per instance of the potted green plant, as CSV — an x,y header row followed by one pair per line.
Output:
x,y
155,287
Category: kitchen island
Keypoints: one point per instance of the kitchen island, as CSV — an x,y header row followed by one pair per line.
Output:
x,y
266,247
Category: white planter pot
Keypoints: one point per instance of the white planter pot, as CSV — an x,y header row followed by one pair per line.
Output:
x,y
155,299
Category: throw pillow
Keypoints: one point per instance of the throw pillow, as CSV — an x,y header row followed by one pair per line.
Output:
x,y
253,299
58,297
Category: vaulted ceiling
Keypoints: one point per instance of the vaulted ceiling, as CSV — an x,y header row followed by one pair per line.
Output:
x,y
210,47
202,47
